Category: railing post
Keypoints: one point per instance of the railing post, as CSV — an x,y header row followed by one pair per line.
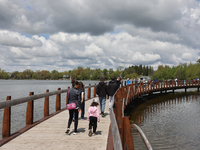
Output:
x,y
89,92
58,99
118,115
6,120
94,90
128,139
46,105
29,111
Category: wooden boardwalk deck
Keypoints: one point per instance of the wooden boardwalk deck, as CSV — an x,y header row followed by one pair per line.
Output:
x,y
50,134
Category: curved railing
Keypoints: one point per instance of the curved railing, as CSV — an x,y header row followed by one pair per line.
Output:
x,y
123,97
143,136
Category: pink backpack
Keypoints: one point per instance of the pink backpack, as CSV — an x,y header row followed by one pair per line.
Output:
x,y
71,106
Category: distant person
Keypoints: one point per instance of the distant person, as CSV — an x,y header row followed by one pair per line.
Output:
x,y
112,88
118,81
74,97
102,91
82,95
176,81
197,80
93,117
128,82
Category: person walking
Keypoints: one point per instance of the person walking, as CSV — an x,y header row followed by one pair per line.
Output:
x,y
93,117
82,95
102,91
112,88
74,97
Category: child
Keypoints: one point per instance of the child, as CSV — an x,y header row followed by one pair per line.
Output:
x,y
93,116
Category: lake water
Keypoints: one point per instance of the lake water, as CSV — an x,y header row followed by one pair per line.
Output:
x,y
170,122
22,88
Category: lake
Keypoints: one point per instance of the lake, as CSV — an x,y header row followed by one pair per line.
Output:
x,y
169,122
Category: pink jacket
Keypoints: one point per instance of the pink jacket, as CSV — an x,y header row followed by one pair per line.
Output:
x,y
93,111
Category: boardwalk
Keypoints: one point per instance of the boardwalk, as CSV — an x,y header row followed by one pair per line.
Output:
x,y
50,134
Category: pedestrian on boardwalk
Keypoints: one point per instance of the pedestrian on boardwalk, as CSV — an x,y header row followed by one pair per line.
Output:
x,y
74,97
118,81
102,91
112,88
93,117
82,95
128,82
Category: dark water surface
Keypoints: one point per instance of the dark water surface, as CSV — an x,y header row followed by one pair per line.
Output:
x,y
22,88
170,122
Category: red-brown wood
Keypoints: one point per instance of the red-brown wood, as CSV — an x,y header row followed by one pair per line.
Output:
x,y
29,111
89,92
46,105
6,120
128,139
58,99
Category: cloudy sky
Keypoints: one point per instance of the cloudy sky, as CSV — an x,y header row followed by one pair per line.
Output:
x,y
65,34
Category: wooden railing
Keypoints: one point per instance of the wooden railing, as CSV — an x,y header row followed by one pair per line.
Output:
x,y
123,97
6,105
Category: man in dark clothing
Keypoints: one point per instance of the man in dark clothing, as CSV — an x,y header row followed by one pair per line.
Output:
x,y
118,81
112,88
102,91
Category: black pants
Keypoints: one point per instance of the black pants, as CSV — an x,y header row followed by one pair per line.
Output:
x,y
71,117
93,122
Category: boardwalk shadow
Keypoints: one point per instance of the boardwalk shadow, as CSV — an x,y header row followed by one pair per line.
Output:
x,y
81,130
106,114
98,132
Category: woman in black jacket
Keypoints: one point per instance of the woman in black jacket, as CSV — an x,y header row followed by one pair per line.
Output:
x,y
74,97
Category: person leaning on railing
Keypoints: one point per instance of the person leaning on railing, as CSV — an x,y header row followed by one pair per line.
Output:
x,y
112,88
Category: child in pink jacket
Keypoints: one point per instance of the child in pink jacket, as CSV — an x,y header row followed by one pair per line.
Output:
x,y
93,116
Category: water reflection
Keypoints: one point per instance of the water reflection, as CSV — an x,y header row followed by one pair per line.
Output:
x,y
169,122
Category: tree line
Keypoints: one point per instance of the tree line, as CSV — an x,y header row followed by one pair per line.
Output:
x,y
181,72
79,73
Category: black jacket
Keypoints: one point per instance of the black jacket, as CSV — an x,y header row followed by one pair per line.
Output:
x,y
112,88
74,97
102,89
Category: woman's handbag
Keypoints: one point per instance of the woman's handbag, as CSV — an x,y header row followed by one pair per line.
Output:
x,y
71,106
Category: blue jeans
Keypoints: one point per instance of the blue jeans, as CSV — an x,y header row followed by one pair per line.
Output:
x,y
102,101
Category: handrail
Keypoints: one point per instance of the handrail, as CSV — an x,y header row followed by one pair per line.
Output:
x,y
143,136
17,101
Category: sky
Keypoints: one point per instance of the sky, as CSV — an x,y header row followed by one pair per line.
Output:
x,y
65,34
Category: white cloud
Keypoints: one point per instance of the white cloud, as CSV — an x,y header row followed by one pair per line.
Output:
x,y
97,34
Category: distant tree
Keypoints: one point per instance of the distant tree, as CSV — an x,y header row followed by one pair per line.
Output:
x,y
198,60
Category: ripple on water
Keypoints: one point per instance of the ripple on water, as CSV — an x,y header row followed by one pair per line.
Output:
x,y
169,122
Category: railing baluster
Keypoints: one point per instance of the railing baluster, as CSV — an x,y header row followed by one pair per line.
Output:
x,y
6,120
46,105
58,99
89,92
29,111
